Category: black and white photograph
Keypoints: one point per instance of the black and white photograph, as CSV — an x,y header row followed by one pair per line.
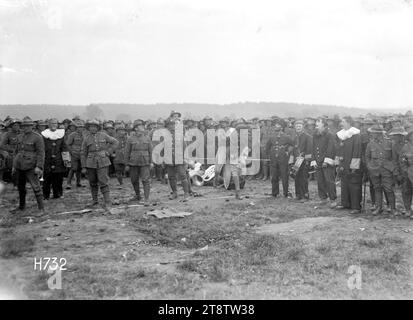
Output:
x,y
180,151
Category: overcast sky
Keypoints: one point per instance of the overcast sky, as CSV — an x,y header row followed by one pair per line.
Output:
x,y
355,53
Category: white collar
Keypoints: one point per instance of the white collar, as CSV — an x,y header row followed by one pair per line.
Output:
x,y
347,134
53,135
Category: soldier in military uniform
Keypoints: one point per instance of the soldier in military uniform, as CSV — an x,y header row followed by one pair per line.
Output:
x,y
397,136
28,164
41,126
279,147
56,159
95,152
406,167
70,129
159,168
323,160
176,170
365,139
303,145
380,161
265,132
109,129
175,116
119,159
310,126
74,145
138,159
350,167
3,153
9,144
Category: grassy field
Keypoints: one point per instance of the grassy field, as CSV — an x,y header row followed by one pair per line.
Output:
x,y
257,248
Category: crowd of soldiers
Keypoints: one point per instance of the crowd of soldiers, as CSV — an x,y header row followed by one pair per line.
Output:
x,y
331,150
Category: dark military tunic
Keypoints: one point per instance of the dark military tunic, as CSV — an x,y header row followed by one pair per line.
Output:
x,y
303,144
278,148
120,149
9,144
324,151
406,170
30,151
30,154
381,163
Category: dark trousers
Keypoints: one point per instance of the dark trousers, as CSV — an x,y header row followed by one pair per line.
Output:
x,y
301,182
174,172
76,169
54,181
326,183
160,172
24,176
372,192
142,172
119,171
351,190
279,169
383,181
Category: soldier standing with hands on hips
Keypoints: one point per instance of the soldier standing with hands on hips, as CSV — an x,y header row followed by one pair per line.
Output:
x,y
28,164
95,152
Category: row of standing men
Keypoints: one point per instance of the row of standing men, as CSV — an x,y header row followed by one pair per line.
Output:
x,y
350,155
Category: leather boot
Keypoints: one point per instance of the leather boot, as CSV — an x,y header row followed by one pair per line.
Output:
x,y
107,204
265,172
22,202
392,202
173,196
146,191
377,211
40,206
378,195
186,189
95,202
